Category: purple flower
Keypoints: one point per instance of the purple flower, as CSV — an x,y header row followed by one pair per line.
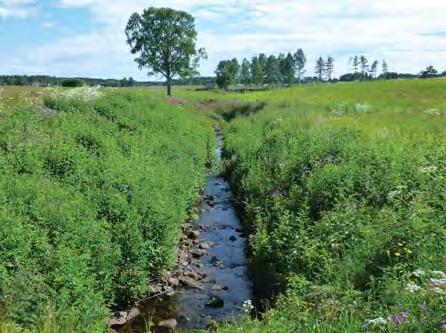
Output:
x,y
399,319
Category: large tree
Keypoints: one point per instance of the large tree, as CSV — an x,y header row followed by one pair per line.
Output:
x,y
165,42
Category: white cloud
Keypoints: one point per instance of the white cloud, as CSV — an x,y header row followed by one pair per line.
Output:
x,y
20,9
410,34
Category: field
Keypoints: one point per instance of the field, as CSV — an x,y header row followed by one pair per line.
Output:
x,y
342,188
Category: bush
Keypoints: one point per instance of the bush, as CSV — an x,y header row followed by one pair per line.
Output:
x,y
72,83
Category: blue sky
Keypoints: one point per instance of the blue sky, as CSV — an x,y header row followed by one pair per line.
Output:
x,y
86,38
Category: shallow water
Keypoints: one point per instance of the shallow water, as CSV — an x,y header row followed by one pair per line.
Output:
x,y
224,264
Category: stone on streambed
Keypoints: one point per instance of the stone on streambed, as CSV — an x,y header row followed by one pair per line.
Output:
x,y
217,287
193,234
205,245
173,281
123,317
198,253
193,275
189,283
215,302
168,324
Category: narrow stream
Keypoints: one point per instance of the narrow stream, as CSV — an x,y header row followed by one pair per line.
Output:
x,y
224,284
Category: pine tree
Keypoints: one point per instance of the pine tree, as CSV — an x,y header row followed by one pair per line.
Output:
x,y
364,66
320,68
329,68
300,61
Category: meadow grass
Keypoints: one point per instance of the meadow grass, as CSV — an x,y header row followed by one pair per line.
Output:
x,y
343,190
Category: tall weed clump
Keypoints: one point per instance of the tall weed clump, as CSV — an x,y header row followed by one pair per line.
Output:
x,y
92,197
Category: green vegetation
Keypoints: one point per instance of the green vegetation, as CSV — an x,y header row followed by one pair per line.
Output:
x,y
72,83
95,185
343,189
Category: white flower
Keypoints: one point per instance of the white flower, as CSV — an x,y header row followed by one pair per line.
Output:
x,y
247,306
438,290
440,274
413,287
433,112
429,169
85,94
419,273
377,321
438,282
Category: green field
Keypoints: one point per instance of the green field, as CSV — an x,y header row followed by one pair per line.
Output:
x,y
342,188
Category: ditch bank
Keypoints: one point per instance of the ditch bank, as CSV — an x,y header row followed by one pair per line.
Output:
x,y
211,280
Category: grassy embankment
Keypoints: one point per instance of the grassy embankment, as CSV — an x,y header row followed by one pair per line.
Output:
x,y
94,188
344,190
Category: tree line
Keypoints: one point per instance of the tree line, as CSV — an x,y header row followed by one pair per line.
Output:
x,y
283,69
286,69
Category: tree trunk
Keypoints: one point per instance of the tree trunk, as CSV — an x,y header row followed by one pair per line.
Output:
x,y
169,87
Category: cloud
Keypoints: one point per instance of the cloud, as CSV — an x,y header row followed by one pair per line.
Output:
x,y
20,9
404,32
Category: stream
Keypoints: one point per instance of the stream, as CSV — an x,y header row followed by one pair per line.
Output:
x,y
223,284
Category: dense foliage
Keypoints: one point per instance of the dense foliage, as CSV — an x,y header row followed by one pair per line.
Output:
x,y
94,187
343,188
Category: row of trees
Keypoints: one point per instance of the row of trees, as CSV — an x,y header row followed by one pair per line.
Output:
x,y
362,69
44,80
262,69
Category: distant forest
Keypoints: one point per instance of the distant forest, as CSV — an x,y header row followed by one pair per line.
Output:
x,y
260,71
44,80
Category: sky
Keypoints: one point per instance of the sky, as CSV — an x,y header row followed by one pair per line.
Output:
x,y
86,37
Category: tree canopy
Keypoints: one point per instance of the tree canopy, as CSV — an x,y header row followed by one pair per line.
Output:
x,y
164,41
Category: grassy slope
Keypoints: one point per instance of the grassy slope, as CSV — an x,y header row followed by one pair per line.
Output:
x,y
92,198
344,188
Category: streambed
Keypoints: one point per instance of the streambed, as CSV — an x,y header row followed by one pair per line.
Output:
x,y
217,282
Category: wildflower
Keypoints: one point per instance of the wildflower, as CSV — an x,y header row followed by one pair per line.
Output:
x,y
375,322
439,282
438,291
247,306
397,254
433,112
400,244
413,287
418,273
408,250
429,169
440,274
399,319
